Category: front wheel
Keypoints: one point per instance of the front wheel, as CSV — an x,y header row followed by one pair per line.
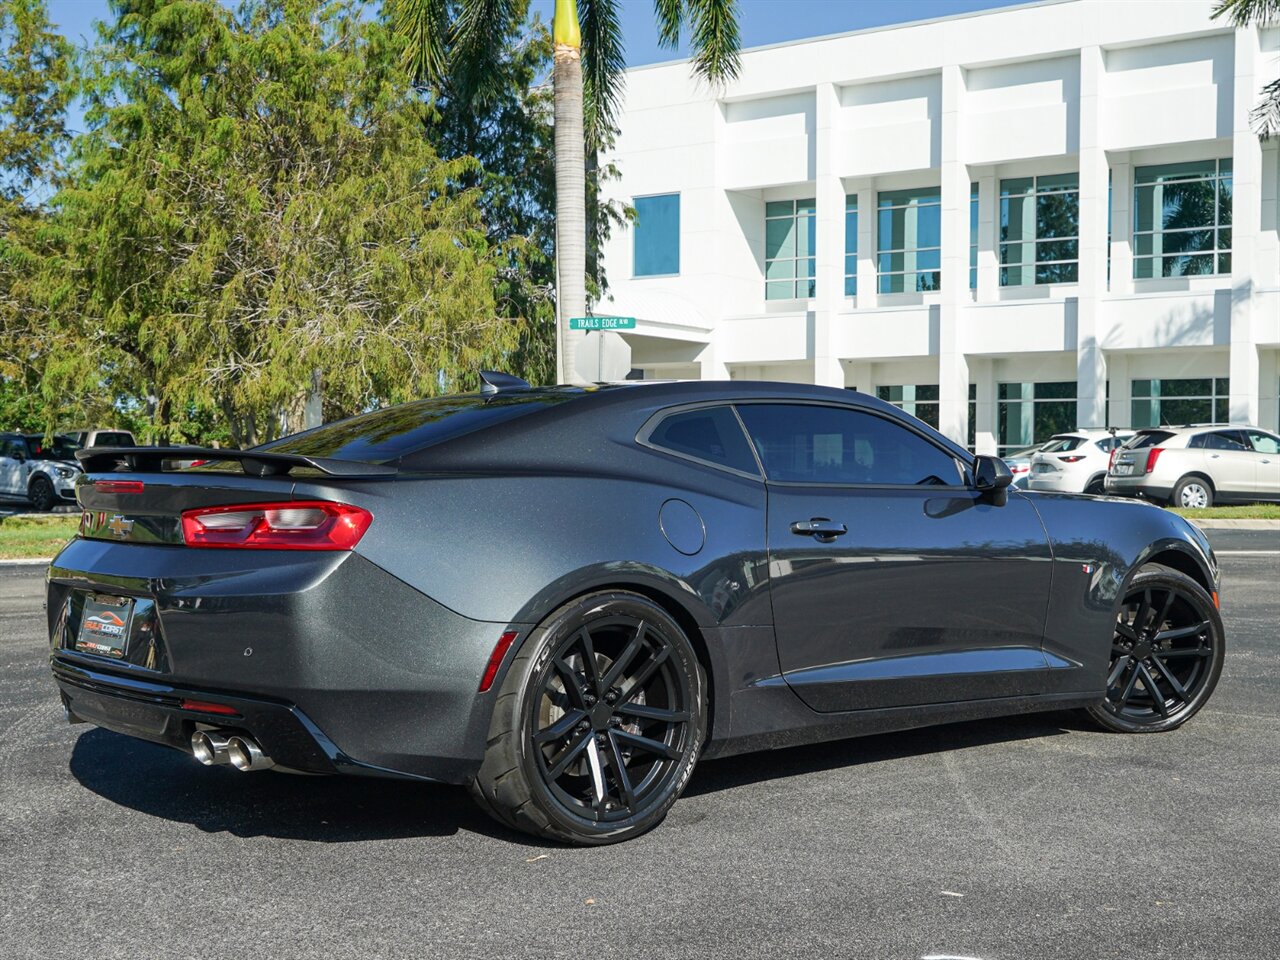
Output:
x,y
41,494
598,724
1166,654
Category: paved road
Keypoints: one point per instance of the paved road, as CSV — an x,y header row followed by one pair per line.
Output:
x,y
1027,838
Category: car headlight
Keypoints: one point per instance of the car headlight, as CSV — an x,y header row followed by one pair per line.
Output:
x,y
66,473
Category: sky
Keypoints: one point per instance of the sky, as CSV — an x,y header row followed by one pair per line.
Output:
x,y
761,21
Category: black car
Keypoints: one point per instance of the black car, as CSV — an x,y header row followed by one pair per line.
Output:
x,y
563,597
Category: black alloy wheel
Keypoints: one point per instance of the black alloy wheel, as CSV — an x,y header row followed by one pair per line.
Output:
x,y
1166,655
598,725
41,494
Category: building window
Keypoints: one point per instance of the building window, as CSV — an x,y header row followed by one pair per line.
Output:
x,y
909,240
657,236
851,246
1039,230
1031,413
973,417
790,230
1158,403
973,236
1182,219
919,400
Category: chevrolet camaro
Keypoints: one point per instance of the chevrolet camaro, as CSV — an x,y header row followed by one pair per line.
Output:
x,y
564,597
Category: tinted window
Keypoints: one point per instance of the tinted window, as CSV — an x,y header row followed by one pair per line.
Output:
x,y
108,438
813,444
657,235
11,447
1061,444
1148,438
391,433
1226,440
1263,442
60,448
1107,443
711,434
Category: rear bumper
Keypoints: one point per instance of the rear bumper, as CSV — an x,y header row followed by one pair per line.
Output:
x,y
332,664
1136,487
1056,482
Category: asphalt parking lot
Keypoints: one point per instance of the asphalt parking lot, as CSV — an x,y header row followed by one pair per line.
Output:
x,y
1033,837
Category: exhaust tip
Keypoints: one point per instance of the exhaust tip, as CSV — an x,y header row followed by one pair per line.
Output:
x,y
209,747
245,755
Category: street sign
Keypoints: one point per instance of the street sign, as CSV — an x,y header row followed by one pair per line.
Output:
x,y
602,323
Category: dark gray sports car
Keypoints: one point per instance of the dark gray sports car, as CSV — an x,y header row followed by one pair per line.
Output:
x,y
564,597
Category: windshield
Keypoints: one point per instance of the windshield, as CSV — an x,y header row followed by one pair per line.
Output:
x,y
60,448
389,434
1148,438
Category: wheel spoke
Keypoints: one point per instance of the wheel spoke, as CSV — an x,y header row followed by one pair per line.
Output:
x,y
628,654
589,665
1177,687
1153,690
597,771
1181,633
1117,669
1144,612
572,682
1126,631
1128,690
649,746
566,756
1184,652
646,712
647,671
1163,615
620,776
561,728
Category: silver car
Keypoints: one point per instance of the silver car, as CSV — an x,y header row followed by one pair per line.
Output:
x,y
41,473
1198,466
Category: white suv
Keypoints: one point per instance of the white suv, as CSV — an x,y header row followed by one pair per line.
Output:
x,y
1198,466
1074,462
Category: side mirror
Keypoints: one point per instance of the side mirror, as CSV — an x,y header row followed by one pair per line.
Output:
x,y
991,473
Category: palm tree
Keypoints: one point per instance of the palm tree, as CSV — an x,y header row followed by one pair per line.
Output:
x,y
1242,13
455,39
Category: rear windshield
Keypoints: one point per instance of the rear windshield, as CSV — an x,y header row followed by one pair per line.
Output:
x,y
389,434
59,448
1062,444
109,438
1148,438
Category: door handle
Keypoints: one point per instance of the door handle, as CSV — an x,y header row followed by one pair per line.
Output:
x,y
820,528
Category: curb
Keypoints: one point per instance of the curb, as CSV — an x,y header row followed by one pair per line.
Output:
x,y
27,562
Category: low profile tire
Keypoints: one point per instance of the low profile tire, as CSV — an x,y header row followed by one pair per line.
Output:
x,y
598,725
1166,655
1192,493
1096,486
41,494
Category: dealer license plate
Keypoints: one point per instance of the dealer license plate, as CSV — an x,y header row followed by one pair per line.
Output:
x,y
104,626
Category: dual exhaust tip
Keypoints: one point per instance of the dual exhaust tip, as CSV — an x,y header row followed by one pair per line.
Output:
x,y
213,748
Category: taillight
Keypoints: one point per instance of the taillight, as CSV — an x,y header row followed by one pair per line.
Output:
x,y
1071,459
301,525
1111,460
1152,456
118,486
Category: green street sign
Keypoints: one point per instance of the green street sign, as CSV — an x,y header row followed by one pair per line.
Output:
x,y
602,323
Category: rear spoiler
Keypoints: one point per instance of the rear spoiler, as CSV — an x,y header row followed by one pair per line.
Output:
x,y
256,463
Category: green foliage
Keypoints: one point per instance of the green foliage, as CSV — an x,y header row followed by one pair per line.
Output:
x,y
34,70
255,204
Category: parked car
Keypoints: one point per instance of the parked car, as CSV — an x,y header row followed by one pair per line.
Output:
x,y
1019,463
102,438
41,473
1075,462
564,597
1198,466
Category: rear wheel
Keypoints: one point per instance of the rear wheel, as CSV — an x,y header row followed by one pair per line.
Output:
x,y
1192,493
598,724
1166,654
41,494
1097,485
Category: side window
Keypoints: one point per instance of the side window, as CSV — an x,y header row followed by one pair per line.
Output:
x,y
1263,442
10,447
711,434
807,443
1228,440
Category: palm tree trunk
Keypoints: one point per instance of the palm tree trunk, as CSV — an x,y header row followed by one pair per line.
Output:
x,y
571,203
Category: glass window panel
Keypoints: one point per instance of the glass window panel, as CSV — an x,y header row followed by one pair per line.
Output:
x,y
806,206
779,290
891,231
804,268
897,198
1175,171
1221,413
806,236
1184,387
929,259
1143,268
779,208
1142,388
1058,181
851,265
1222,385
927,391
1068,272
1224,238
890,262
928,226
1192,266
1188,205
928,282
1054,417
656,250
1055,390
851,231
1224,263
780,270
889,394
1224,200
890,283
1057,215
1142,415
1179,411
850,286
806,289
1057,250
779,238
709,434
1013,253
1017,185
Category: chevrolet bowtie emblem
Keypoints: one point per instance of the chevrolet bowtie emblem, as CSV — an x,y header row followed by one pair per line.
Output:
x,y
119,526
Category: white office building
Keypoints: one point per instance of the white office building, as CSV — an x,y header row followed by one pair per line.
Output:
x,y
1009,223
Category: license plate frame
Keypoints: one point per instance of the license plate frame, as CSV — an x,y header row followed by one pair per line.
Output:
x,y
1123,469
104,626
